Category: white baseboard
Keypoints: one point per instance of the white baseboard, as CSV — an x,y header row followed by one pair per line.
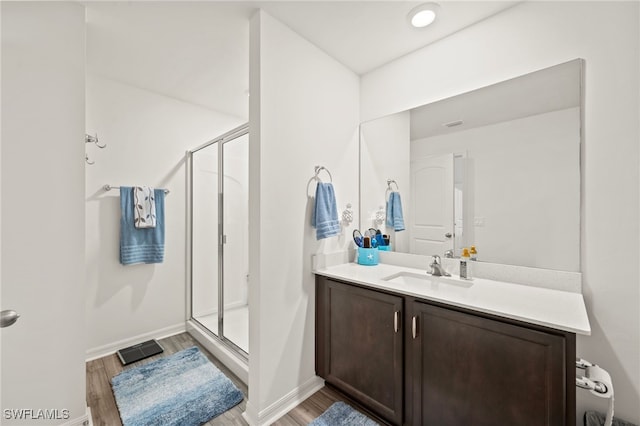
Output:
x,y
283,405
250,414
111,348
84,420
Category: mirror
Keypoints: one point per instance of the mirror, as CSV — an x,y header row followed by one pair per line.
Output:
x,y
497,167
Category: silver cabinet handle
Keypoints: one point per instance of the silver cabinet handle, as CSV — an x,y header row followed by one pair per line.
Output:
x,y
396,321
414,326
448,235
8,318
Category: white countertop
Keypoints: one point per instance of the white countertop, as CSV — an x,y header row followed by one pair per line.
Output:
x,y
557,309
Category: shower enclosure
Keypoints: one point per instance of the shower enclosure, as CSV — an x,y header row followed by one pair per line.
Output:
x,y
219,243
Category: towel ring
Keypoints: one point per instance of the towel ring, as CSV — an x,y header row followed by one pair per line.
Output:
x,y
318,169
389,182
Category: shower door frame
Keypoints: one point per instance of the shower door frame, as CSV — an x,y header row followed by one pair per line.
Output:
x,y
221,140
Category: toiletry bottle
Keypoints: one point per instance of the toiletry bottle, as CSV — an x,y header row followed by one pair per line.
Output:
x,y
473,253
379,238
366,243
465,265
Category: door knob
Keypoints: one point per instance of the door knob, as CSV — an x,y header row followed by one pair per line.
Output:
x,y
7,318
448,235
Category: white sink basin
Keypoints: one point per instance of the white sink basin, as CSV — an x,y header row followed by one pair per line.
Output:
x,y
405,277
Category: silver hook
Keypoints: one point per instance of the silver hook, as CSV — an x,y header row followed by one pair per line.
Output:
x,y
94,140
86,158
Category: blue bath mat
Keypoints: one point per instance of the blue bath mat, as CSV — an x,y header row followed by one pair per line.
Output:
x,y
183,389
341,414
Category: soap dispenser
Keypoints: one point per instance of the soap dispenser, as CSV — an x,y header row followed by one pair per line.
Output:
x,y
465,265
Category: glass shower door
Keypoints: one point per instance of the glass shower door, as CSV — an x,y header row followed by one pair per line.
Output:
x,y
205,272
220,238
235,190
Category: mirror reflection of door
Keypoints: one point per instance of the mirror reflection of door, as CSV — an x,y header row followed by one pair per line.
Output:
x,y
431,218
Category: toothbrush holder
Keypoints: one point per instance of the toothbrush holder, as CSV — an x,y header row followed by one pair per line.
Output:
x,y
368,256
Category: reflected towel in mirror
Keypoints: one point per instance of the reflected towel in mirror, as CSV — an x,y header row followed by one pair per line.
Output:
x,y
395,219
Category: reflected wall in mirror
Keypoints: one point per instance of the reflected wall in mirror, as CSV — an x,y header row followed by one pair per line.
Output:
x,y
498,167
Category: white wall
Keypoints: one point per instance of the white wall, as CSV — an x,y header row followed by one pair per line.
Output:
x,y
523,180
303,112
532,36
147,135
43,218
385,154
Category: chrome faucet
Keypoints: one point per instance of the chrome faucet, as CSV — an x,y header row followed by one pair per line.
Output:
x,y
436,267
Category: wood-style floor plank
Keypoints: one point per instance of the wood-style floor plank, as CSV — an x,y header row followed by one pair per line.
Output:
x,y
105,411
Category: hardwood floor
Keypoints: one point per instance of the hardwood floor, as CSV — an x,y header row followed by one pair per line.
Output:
x,y
105,412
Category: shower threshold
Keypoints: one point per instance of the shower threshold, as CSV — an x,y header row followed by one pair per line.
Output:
x,y
225,353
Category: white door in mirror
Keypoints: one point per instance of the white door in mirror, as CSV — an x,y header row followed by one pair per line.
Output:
x,y
431,205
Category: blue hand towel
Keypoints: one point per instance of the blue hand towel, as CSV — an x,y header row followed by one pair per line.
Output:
x,y
394,212
325,213
140,245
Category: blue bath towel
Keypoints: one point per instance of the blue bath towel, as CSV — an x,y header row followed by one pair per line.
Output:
x,y
325,212
395,219
140,245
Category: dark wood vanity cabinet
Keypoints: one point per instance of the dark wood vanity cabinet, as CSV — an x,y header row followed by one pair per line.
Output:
x,y
473,370
359,345
444,365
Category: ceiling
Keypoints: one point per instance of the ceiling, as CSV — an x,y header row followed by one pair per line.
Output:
x,y
198,52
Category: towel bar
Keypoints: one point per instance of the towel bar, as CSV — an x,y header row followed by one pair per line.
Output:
x,y
108,187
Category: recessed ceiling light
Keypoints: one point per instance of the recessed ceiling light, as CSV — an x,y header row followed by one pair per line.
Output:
x,y
423,15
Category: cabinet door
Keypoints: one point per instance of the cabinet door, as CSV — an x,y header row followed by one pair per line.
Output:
x,y
359,345
469,370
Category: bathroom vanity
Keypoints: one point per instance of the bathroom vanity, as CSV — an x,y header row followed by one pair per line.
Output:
x,y
421,350
499,350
